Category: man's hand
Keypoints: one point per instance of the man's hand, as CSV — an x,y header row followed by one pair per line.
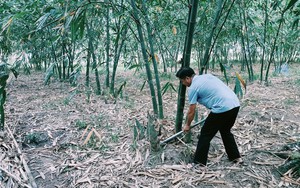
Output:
x,y
190,117
186,128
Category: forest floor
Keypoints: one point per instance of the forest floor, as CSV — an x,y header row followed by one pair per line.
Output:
x,y
70,137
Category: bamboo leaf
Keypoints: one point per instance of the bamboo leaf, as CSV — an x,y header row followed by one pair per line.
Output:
x,y
156,58
6,25
167,86
134,66
96,133
41,21
121,87
241,79
174,30
143,86
135,133
237,88
88,137
85,130
290,5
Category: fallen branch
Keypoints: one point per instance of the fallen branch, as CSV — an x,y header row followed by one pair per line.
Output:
x,y
28,172
18,180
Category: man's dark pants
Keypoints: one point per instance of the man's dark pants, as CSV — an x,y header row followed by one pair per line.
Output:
x,y
222,122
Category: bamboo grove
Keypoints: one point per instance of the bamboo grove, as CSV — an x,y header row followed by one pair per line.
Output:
x,y
66,39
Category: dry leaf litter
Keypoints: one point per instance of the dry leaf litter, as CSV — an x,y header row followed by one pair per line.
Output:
x,y
57,136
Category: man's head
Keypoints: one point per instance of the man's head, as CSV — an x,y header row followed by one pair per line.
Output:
x,y
185,74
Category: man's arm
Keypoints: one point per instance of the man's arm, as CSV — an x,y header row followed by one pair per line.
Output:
x,y
190,117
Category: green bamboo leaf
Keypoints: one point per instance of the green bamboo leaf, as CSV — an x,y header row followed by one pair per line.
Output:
x,y
15,72
134,66
135,133
290,5
143,86
42,20
7,25
167,86
121,87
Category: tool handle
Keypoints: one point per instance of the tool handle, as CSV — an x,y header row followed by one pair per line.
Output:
x,y
180,132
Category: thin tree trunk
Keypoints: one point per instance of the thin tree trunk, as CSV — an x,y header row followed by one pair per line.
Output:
x,y
144,52
217,18
247,49
156,73
186,62
273,47
107,47
64,61
211,34
264,41
176,55
118,48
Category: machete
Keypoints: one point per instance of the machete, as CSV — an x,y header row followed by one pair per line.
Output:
x,y
180,132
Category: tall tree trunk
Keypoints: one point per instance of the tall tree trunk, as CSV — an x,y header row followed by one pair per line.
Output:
x,y
156,73
64,60
144,52
94,64
186,61
264,40
211,34
209,49
176,55
107,47
247,48
118,48
88,59
274,47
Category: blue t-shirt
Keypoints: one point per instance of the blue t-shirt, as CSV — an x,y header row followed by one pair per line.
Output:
x,y
211,92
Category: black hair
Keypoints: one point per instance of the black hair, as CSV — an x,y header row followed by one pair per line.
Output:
x,y
184,72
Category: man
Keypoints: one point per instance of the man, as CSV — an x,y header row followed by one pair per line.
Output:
x,y
224,106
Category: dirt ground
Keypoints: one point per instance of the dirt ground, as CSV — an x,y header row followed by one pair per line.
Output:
x,y
70,137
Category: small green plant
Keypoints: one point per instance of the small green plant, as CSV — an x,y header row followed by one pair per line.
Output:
x,y
32,138
80,124
114,137
69,98
289,101
97,119
36,138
